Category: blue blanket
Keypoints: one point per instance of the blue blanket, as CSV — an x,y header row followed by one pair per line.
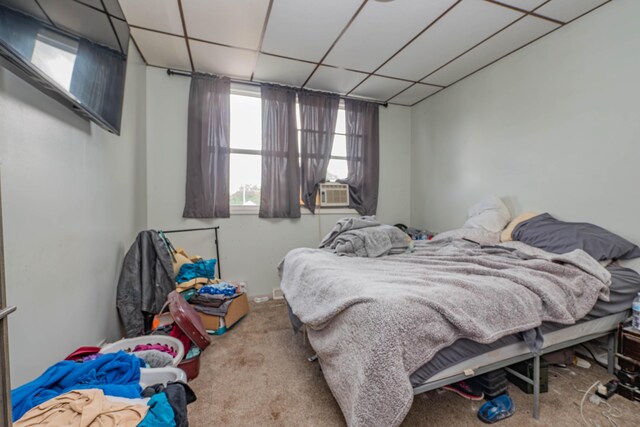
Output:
x,y
116,374
201,268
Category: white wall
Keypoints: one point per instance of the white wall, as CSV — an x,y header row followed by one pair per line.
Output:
x,y
554,127
74,196
252,247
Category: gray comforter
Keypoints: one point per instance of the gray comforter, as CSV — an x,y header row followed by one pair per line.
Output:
x,y
373,322
365,237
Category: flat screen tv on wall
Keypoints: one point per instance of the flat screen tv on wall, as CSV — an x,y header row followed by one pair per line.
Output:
x,y
75,51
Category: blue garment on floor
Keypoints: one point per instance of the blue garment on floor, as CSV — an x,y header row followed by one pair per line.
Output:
x,y
116,374
160,412
201,268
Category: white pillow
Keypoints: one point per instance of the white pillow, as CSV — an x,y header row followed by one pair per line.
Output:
x,y
490,214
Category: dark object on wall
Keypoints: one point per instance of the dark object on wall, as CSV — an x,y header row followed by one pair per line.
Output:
x,y
145,282
73,52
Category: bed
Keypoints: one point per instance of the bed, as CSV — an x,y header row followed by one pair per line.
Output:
x,y
454,358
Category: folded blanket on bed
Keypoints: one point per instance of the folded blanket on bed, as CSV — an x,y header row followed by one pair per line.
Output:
x,y
364,237
347,224
373,322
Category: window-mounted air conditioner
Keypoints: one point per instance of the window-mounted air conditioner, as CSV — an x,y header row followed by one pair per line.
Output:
x,y
333,195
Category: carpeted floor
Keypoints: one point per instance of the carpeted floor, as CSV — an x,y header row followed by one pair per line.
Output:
x,y
257,374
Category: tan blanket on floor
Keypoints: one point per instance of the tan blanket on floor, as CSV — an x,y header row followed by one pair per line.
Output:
x,y
83,408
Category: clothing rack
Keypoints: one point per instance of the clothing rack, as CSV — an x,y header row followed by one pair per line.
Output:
x,y
215,241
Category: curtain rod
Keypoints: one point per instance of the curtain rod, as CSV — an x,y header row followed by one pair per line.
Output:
x,y
252,83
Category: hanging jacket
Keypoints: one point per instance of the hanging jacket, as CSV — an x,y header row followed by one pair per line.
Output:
x,y
145,281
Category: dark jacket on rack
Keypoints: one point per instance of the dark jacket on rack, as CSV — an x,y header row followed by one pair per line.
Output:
x,y
145,281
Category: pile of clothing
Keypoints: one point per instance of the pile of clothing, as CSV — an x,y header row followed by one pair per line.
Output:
x,y
102,391
214,299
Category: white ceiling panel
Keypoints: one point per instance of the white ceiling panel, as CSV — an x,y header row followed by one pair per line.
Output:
x,y
162,50
381,29
161,15
280,70
29,7
382,88
231,22
517,35
465,25
113,7
523,4
566,10
306,29
334,79
79,19
93,3
414,94
222,60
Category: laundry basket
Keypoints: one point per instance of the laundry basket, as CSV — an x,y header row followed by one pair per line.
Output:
x,y
151,376
129,344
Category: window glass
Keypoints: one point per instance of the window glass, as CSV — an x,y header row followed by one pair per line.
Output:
x,y
244,179
337,169
341,126
339,146
246,122
55,56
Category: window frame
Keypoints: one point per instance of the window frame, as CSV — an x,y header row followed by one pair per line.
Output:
x,y
254,91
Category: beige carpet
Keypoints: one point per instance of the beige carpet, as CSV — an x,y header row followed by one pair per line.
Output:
x,y
257,374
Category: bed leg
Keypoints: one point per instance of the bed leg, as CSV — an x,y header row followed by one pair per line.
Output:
x,y
611,352
536,386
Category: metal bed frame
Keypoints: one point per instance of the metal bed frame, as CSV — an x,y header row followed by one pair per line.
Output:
x,y
535,382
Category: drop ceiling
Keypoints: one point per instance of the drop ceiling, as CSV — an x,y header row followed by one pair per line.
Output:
x,y
400,51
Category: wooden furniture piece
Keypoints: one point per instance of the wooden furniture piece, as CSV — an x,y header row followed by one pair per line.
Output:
x,y
629,360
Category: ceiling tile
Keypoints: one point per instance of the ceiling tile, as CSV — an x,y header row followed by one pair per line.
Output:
x,y
517,35
161,15
381,29
113,7
162,50
306,29
122,29
381,88
414,94
93,3
523,4
226,61
29,7
280,70
464,26
566,10
231,22
82,20
336,80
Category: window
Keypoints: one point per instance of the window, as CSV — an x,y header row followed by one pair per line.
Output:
x,y
245,165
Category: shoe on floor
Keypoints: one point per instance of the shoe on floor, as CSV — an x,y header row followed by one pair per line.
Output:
x,y
466,390
497,409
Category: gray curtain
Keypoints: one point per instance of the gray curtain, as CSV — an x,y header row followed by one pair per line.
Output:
x,y
363,155
98,80
318,116
207,190
280,191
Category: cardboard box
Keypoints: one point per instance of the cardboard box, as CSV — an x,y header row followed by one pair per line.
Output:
x,y
238,308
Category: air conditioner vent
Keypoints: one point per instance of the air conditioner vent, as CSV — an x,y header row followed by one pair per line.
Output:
x,y
334,195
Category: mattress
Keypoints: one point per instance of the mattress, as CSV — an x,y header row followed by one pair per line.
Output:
x,y
517,347
469,353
